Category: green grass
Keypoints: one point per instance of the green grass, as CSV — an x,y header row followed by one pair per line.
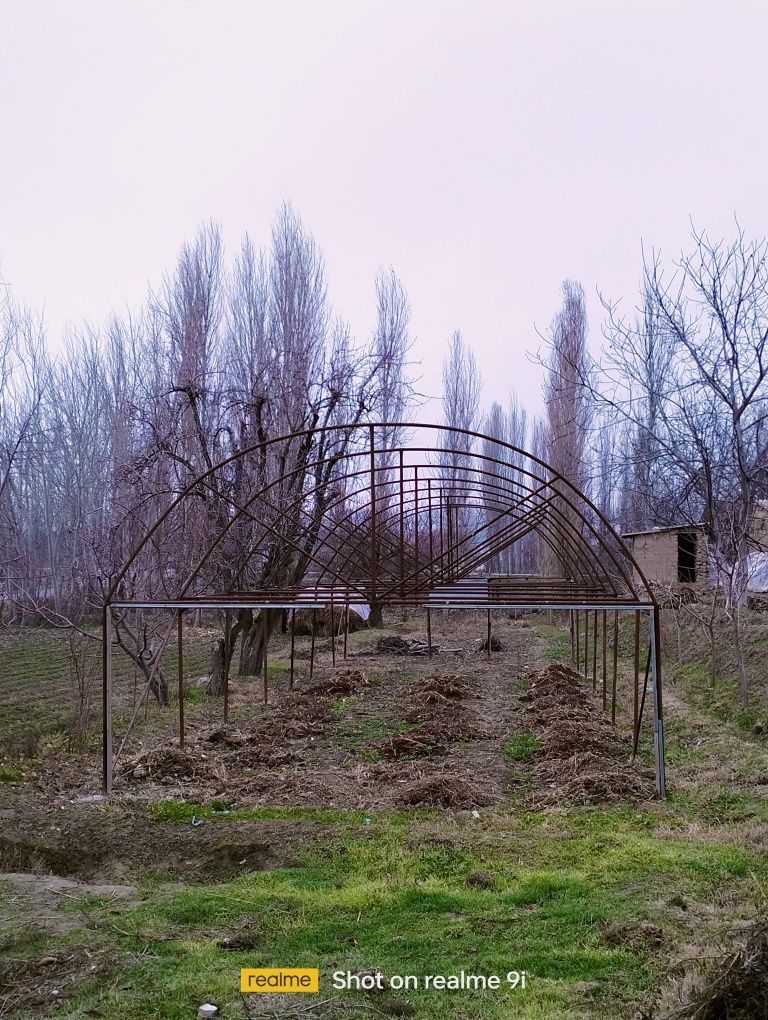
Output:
x,y
35,694
358,734
10,773
559,647
389,896
195,694
522,746
720,701
183,811
339,706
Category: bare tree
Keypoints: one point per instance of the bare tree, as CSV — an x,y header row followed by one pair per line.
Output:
x,y
392,391
461,410
506,477
701,409
567,403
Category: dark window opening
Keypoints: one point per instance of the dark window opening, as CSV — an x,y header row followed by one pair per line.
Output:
x,y
686,559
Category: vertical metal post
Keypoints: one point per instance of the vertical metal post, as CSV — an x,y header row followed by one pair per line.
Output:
x,y
227,663
333,636
429,632
594,654
374,569
578,641
586,642
402,541
449,539
636,691
431,538
312,647
605,659
293,646
346,627
658,715
180,653
106,692
416,521
488,639
442,542
264,642
573,636
615,665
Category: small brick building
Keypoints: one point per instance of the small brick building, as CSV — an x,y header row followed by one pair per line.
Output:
x,y
671,555
678,555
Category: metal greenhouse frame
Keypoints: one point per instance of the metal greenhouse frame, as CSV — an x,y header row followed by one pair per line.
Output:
x,y
390,523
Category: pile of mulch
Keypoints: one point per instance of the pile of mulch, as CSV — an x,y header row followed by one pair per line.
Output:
x,y
580,756
301,715
259,755
409,745
226,735
451,729
431,737
167,765
596,778
557,687
443,789
343,682
564,738
734,987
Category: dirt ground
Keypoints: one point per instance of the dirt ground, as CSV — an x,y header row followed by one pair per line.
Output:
x,y
370,733
375,731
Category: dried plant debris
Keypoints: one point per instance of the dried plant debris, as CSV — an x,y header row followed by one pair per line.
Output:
x,y
223,735
409,745
580,757
446,790
168,765
343,682
258,755
391,644
735,987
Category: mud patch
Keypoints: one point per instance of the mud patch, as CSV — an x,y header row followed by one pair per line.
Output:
x,y
108,846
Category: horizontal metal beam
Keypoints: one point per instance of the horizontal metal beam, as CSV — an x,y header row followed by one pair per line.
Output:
x,y
619,606
298,604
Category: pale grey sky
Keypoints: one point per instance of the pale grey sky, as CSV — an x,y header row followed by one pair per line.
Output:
x,y
484,149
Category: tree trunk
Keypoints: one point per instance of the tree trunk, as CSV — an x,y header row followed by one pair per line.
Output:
x,y
376,619
679,638
252,651
216,672
741,659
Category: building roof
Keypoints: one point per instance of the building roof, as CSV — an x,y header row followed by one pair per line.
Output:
x,y
701,526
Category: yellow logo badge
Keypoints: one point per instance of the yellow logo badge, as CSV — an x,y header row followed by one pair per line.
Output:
x,y
279,979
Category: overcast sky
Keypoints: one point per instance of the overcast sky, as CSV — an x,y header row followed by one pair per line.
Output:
x,y
486,150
